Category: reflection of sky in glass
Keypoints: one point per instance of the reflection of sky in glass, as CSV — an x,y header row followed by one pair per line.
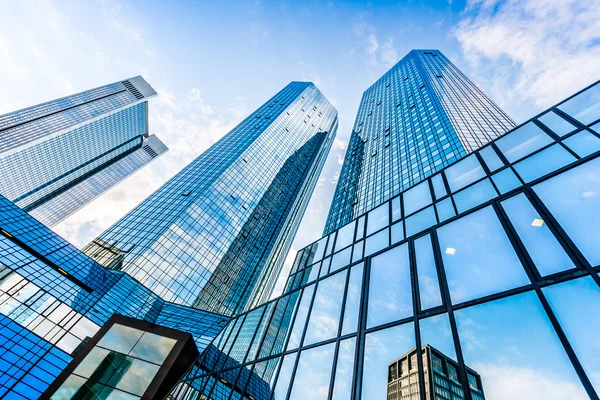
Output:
x,y
390,291
138,377
475,195
576,305
511,343
420,221
583,143
153,348
438,186
89,364
573,198
522,141
381,348
445,209
327,306
416,198
285,373
345,236
377,242
378,218
585,107
436,331
466,171
478,258
429,288
491,159
313,373
120,338
342,385
351,309
556,123
506,180
340,260
544,162
300,320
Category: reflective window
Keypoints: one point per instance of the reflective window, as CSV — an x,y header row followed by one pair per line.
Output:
x,y
300,321
416,198
340,260
390,293
345,236
396,211
153,348
360,228
576,305
523,141
120,338
382,348
429,287
547,254
89,364
436,332
420,221
512,345
352,307
325,314
573,198
438,186
137,376
464,172
445,209
491,159
596,127
358,251
397,232
377,242
325,267
475,195
342,386
314,272
378,218
585,107
285,374
583,143
320,250
478,257
313,374
506,180
330,244
544,162
556,123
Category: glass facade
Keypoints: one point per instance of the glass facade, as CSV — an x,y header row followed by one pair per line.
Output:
x,y
215,236
418,118
489,267
57,156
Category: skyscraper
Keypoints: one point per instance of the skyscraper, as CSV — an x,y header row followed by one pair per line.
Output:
x,y
57,156
216,234
418,118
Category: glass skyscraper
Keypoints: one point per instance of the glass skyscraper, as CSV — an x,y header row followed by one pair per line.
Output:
x,y
418,118
490,265
215,236
57,156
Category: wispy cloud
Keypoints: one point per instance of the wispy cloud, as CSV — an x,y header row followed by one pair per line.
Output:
x,y
374,52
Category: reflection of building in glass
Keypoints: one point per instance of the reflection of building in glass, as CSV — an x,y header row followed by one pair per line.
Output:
x,y
215,236
418,118
440,377
57,156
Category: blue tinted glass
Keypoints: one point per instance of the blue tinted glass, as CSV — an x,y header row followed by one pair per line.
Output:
x,y
345,236
320,249
474,195
396,211
445,209
351,309
397,232
120,338
556,123
340,260
358,251
313,373
478,257
585,107
436,332
342,386
583,143
378,218
420,221
390,291
464,172
506,180
429,287
596,127
285,373
330,243
325,314
547,254
416,198
325,267
377,242
522,141
153,348
300,320
491,159
544,162
360,228
314,272
576,305
573,198
438,186
137,377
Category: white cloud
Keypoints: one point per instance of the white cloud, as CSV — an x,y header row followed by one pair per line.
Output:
x,y
366,36
536,50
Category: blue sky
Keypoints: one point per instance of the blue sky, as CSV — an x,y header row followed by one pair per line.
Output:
x,y
213,63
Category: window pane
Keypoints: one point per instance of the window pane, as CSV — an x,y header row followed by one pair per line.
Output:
x,y
360,228
547,254
429,287
319,250
464,172
342,386
313,374
390,293
137,377
340,260
478,257
583,143
585,107
285,373
445,209
506,180
377,242
416,198
436,332
120,338
325,267
523,141
491,159
325,315
314,272
576,305
358,251
396,211
512,345
385,350
378,218
345,236
353,300
397,232
330,244
475,195
89,364
420,221
438,186
153,348
556,123
300,320
544,162
573,198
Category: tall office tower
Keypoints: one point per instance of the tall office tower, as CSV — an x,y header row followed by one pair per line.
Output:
x,y
57,156
490,264
418,118
215,235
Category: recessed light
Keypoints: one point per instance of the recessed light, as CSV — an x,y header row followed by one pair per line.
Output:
x,y
537,222
450,250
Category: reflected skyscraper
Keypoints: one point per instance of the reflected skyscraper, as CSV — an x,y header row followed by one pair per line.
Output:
x,y
418,118
57,156
215,236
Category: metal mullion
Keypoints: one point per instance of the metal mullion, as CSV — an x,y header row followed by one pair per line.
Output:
x,y
416,308
360,333
563,114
